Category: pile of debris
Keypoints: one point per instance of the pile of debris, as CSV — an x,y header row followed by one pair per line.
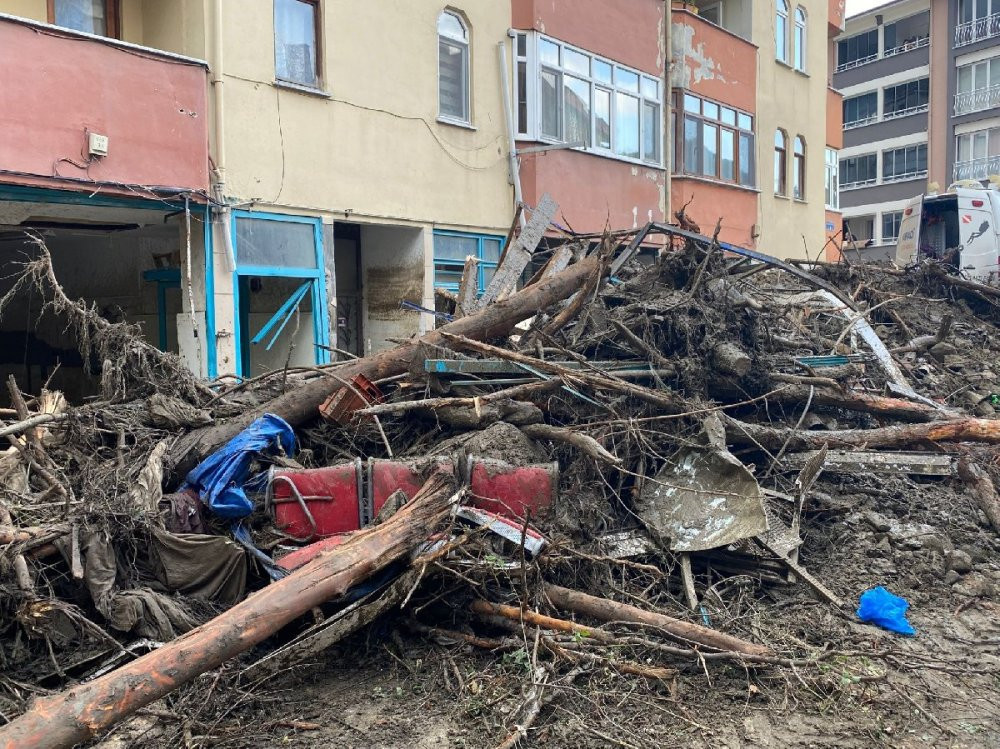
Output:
x,y
598,475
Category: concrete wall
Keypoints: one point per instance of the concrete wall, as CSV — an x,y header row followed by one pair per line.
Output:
x,y
795,102
735,206
57,88
626,31
712,62
368,145
395,267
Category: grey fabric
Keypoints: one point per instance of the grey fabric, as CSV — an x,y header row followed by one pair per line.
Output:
x,y
211,568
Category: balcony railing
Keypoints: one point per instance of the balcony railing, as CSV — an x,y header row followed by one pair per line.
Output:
x,y
977,100
981,28
856,63
904,112
977,168
861,123
844,186
904,177
907,46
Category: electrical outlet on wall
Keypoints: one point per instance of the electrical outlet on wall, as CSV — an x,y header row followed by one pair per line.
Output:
x,y
97,144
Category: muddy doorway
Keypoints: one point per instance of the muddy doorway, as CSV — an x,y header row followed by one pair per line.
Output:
x,y
347,265
277,323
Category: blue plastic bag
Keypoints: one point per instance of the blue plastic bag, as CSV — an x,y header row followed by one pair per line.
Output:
x,y
220,477
888,611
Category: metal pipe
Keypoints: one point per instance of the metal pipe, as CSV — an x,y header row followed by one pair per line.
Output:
x,y
513,165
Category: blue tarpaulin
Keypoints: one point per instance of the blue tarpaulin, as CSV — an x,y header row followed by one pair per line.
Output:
x,y
220,477
885,609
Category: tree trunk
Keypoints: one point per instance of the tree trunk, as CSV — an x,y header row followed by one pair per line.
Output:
x,y
982,488
612,611
900,435
74,715
300,405
853,400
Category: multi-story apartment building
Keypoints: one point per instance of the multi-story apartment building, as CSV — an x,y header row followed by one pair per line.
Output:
x,y
272,182
749,114
883,74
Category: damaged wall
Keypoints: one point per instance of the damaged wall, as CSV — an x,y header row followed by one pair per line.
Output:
x,y
712,62
393,269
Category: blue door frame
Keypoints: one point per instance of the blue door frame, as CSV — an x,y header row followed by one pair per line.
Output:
x,y
317,277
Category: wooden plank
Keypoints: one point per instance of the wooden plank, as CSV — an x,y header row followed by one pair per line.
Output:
x,y
467,289
848,461
517,255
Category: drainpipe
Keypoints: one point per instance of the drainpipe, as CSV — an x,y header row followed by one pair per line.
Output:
x,y
668,133
513,167
219,97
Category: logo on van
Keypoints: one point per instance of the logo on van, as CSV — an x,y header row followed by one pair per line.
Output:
x,y
908,235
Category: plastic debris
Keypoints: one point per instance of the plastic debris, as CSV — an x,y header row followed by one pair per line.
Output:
x,y
220,477
887,610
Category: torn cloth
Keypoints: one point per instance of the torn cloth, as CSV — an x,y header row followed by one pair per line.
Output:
x,y
219,478
212,568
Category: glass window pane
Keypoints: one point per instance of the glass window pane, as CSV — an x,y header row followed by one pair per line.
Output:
x,y
451,79
964,148
728,116
522,45
965,79
626,129
627,80
602,118
692,104
994,72
711,110
295,41
448,247
744,121
577,109
650,88
576,61
602,71
522,97
491,250
746,160
650,131
979,146
709,149
548,52
275,243
448,276
979,75
81,15
781,38
449,25
550,104
728,153
692,164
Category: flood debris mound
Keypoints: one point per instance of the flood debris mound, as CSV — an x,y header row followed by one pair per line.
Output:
x,y
663,474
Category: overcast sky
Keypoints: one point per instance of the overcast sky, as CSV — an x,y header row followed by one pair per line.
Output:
x,y
860,6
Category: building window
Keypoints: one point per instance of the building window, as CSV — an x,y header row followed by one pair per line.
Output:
x,y
860,230
715,141
858,171
780,163
453,68
906,98
586,100
977,19
799,168
977,154
799,40
890,226
831,196
451,248
99,17
296,41
711,12
860,110
904,163
857,50
978,86
781,32
906,34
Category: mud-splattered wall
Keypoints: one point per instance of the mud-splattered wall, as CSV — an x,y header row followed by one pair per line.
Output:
x,y
392,258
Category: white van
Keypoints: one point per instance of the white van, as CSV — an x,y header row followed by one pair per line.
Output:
x,y
961,225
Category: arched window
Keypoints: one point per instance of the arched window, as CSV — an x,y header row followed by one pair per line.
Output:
x,y
780,148
453,67
799,40
781,31
799,168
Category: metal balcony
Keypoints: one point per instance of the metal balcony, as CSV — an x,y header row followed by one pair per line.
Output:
x,y
981,28
977,168
977,100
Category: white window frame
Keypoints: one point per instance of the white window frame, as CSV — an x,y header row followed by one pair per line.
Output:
x,y
533,131
831,179
800,43
781,12
466,70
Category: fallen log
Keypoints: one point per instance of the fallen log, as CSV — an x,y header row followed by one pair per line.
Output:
x,y
951,430
582,442
854,400
74,715
982,488
301,404
612,611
